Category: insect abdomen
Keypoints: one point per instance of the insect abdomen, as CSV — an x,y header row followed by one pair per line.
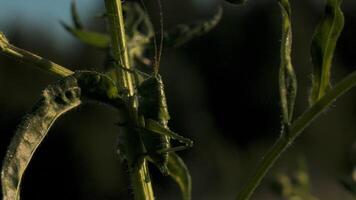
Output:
x,y
154,143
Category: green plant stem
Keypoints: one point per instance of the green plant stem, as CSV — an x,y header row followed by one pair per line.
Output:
x,y
140,177
295,130
118,42
22,55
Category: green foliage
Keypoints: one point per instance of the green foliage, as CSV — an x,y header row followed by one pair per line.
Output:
x,y
287,77
140,95
323,46
3,41
140,33
56,100
91,38
180,173
69,92
322,95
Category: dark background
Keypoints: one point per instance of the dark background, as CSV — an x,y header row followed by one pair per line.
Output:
x,y
222,92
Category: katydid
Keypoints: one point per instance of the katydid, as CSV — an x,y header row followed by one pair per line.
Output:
x,y
153,110
156,134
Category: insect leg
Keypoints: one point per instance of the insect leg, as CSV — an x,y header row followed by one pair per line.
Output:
x,y
156,127
173,149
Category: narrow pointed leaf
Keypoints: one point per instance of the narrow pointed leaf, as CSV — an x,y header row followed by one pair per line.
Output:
x,y
179,172
183,33
95,39
56,100
75,16
323,47
287,77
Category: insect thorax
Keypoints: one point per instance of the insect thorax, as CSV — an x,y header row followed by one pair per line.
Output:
x,y
153,103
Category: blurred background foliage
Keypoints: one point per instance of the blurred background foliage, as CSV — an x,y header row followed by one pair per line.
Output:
x,y
222,92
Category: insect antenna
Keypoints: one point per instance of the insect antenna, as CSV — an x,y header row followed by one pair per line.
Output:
x,y
158,48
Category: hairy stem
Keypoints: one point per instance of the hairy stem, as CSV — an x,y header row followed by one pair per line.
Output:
x,y
295,130
22,55
139,173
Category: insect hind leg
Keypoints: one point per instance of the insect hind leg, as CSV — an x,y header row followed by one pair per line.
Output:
x,y
173,149
157,128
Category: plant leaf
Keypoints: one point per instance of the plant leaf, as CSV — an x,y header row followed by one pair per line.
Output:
x,y
75,16
95,39
56,100
92,38
32,131
179,172
287,77
183,33
323,47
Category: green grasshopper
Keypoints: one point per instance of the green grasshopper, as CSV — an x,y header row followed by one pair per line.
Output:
x,y
152,105
156,134
153,111
140,36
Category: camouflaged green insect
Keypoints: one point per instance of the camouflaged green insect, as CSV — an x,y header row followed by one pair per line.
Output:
x,y
152,108
156,136
140,35
155,133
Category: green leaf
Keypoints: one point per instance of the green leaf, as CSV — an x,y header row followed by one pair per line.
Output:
x,y
287,77
179,172
183,33
56,100
323,47
92,38
75,17
95,39
4,43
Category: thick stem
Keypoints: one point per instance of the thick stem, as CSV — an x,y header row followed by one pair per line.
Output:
x,y
295,130
140,177
22,55
118,42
